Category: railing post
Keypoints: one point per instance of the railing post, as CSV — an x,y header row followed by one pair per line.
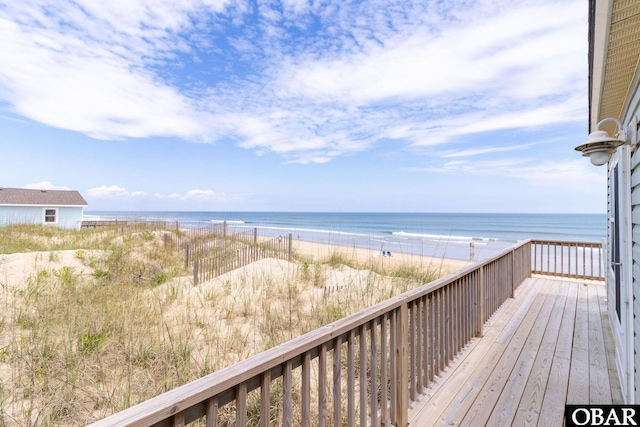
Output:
x,y
602,258
480,302
513,274
402,381
530,249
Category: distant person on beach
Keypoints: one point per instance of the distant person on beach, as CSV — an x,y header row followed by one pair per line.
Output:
x,y
472,250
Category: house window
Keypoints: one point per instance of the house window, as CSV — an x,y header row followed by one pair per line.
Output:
x,y
50,215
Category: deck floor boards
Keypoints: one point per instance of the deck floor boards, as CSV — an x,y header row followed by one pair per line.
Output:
x,y
548,346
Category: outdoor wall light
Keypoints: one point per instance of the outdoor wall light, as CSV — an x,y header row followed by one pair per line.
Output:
x,y
599,145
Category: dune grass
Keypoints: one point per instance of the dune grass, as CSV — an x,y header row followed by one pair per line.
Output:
x,y
123,322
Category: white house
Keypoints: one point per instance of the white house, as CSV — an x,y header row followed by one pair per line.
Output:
x,y
47,207
614,114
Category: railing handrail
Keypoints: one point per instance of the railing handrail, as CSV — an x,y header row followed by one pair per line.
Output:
x,y
566,242
166,405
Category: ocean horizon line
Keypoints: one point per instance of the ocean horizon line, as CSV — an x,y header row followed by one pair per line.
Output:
x,y
429,233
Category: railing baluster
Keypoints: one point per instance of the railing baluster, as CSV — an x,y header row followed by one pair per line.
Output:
x,y
287,397
178,420
373,365
363,376
401,386
241,405
425,342
322,386
394,361
351,381
211,413
432,337
306,390
449,322
384,412
265,399
412,350
419,355
337,387
480,302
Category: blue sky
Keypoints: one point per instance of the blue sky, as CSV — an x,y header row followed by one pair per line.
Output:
x,y
299,105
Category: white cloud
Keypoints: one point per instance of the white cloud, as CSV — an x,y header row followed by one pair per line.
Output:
x,y
118,193
114,192
483,150
574,175
45,185
307,80
196,195
88,66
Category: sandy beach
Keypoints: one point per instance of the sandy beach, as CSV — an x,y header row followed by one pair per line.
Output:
x,y
320,251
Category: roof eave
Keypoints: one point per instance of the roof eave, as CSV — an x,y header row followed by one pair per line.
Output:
x,y
599,26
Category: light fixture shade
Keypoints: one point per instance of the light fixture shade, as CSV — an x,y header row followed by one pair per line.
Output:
x,y
600,137
599,145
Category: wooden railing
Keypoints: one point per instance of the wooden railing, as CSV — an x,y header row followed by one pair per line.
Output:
x,y
582,260
364,369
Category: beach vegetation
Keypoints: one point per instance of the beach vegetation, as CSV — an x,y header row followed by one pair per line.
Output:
x,y
114,319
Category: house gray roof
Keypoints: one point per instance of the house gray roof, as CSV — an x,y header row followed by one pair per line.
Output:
x,y
22,196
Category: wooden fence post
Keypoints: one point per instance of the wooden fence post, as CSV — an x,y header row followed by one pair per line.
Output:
x,y
224,229
187,249
290,256
402,381
255,235
195,272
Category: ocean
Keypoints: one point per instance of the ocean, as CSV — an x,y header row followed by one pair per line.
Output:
x,y
448,235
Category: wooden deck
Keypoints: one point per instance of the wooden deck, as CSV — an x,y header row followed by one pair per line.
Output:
x,y
549,346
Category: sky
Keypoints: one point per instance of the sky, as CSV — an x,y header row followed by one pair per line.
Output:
x,y
299,105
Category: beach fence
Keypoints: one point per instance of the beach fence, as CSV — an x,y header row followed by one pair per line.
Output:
x,y
210,250
217,254
582,260
124,227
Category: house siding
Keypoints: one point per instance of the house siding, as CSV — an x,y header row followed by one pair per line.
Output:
x,y
634,111
67,216
635,249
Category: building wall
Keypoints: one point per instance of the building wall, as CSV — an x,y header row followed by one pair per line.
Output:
x,y
633,112
635,232
66,217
